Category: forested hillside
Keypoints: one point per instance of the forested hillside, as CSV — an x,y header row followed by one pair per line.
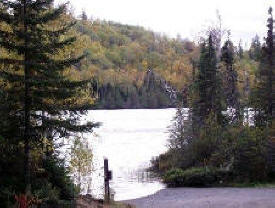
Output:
x,y
131,67
120,56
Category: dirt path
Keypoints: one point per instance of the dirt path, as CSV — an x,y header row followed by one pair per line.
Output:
x,y
209,198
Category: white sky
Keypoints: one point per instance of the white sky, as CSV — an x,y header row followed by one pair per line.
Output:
x,y
244,18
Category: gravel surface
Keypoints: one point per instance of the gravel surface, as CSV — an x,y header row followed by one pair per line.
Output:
x,y
208,198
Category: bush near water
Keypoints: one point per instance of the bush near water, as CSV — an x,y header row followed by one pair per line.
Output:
x,y
239,156
239,152
195,177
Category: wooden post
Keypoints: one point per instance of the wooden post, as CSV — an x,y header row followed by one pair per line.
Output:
x,y
106,181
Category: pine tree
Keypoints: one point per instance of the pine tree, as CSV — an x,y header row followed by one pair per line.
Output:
x,y
262,96
230,80
38,95
240,50
207,86
190,132
179,137
84,16
255,49
269,50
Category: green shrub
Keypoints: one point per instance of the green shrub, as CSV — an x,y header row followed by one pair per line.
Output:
x,y
250,155
166,162
195,177
174,178
200,177
48,193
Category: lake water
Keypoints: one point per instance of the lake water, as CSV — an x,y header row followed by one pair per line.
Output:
x,y
129,139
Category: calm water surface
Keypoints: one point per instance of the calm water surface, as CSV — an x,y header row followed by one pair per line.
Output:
x,y
129,139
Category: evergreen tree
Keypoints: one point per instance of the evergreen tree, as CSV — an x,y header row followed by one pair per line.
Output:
x,y
39,97
262,94
180,130
240,50
230,80
206,86
269,50
255,49
84,16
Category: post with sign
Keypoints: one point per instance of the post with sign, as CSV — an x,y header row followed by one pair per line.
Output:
x,y
107,178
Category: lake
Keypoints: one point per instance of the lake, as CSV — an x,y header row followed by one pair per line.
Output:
x,y
129,139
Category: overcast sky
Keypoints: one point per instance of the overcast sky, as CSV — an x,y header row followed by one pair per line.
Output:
x,y
244,18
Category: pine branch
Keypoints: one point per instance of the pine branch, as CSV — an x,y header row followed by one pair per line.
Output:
x,y
49,16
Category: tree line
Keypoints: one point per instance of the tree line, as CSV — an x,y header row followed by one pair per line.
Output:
x,y
225,136
119,56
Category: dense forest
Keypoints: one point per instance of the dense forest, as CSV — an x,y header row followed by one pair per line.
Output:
x,y
54,67
119,57
131,67
226,136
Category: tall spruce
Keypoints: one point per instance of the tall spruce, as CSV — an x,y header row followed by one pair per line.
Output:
x,y
269,50
207,86
263,96
240,51
255,49
38,95
230,79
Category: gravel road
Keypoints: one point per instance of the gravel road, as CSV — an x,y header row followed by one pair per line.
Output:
x,y
208,198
